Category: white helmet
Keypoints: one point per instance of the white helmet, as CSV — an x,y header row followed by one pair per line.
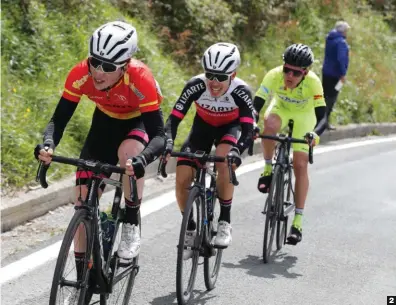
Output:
x,y
113,42
222,58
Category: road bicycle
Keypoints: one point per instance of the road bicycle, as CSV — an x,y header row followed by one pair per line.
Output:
x,y
203,208
280,200
103,272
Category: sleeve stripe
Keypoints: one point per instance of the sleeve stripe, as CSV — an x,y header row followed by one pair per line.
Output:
x,y
177,114
71,93
148,104
316,97
246,120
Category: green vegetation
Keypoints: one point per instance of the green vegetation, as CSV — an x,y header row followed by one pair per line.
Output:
x,y
41,40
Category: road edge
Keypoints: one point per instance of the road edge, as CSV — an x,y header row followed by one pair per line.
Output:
x,y
36,203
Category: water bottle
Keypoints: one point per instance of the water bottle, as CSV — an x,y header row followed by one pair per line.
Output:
x,y
209,206
106,233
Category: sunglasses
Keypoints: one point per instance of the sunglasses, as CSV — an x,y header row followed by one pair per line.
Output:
x,y
219,77
296,73
106,66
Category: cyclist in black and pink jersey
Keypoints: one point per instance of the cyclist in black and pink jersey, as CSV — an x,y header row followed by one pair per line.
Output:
x,y
127,124
224,111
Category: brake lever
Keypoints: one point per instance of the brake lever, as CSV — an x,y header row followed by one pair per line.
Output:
x,y
232,174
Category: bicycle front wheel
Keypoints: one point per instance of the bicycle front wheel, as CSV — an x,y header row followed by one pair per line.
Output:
x,y
271,214
70,281
186,266
281,223
124,273
212,260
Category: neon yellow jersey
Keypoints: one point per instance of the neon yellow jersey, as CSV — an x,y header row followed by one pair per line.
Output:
x,y
304,98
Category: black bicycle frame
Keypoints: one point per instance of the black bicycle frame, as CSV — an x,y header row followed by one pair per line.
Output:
x,y
104,282
200,182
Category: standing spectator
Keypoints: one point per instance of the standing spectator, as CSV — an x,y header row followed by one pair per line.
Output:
x,y
335,65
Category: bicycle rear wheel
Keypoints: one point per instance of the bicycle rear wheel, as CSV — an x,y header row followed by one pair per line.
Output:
x,y
64,276
185,292
271,214
212,263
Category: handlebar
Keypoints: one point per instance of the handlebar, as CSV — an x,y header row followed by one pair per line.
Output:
x,y
96,167
286,139
202,157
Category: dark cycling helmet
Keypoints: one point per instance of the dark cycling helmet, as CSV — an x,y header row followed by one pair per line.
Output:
x,y
299,55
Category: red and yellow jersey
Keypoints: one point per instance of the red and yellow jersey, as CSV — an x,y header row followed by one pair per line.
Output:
x,y
134,94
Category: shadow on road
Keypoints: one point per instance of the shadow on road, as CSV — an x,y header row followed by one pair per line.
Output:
x,y
200,298
278,267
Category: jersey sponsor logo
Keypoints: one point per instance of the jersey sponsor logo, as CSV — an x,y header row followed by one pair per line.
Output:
x,y
189,91
316,97
179,106
291,100
121,98
137,92
94,97
78,83
244,96
226,100
215,108
158,87
265,89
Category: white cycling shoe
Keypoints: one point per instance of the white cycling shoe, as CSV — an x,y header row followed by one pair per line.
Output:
x,y
130,241
223,237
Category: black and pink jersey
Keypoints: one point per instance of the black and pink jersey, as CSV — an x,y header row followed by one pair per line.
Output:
x,y
233,106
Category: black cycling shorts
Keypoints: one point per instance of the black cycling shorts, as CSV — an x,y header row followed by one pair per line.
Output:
x,y
203,136
104,137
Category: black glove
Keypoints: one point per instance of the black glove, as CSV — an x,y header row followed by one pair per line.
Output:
x,y
139,163
48,143
236,156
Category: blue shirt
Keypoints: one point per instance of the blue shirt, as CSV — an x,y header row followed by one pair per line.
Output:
x,y
336,55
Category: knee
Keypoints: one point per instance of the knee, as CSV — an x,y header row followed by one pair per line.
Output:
x,y
129,148
183,178
300,166
272,124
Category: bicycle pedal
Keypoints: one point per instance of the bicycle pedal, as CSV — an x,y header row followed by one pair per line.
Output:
x,y
137,268
283,218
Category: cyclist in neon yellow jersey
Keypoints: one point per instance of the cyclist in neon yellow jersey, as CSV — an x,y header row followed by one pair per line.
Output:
x,y
296,93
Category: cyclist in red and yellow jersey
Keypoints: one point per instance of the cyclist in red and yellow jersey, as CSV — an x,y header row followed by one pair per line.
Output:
x,y
127,124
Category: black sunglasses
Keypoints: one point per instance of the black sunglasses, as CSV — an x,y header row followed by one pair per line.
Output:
x,y
106,66
296,73
219,77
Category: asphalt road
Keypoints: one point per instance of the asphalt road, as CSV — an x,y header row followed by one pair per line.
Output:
x,y
347,256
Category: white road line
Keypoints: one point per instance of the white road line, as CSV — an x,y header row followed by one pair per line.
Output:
x,y
34,260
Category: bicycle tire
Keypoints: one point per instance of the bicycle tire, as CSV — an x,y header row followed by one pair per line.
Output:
x,y
79,217
280,222
270,216
211,276
104,298
183,297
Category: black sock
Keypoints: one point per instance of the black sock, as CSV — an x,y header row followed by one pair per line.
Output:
x,y
132,210
191,226
225,210
80,257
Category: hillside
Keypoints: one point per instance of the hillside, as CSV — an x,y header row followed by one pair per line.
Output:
x,y
42,40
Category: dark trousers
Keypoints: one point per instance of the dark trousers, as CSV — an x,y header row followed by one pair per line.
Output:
x,y
330,94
